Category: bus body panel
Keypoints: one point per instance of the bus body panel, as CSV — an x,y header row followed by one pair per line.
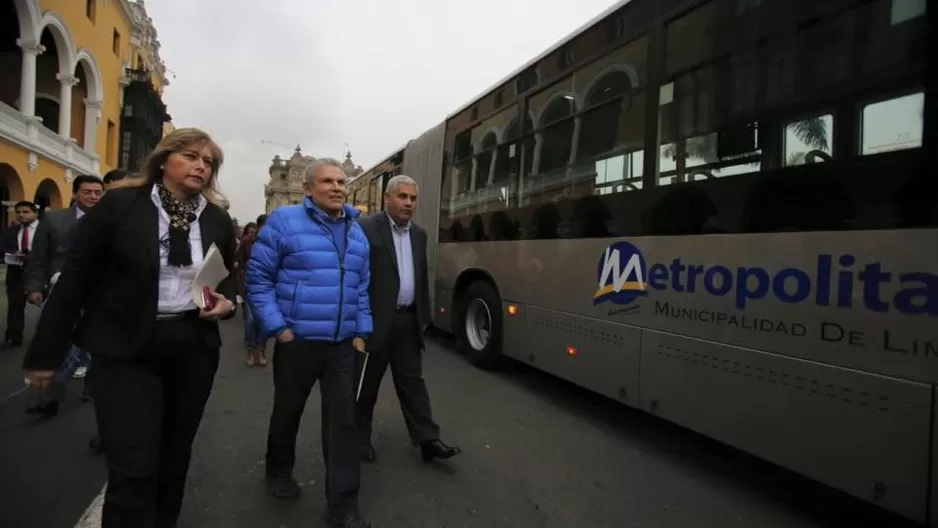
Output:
x,y
864,434
601,355
818,400
934,462
423,161
782,297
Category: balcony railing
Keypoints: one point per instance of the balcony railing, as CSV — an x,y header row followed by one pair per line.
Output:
x,y
29,133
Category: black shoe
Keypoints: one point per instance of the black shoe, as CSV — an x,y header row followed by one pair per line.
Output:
x,y
95,444
349,520
283,487
44,410
368,452
435,449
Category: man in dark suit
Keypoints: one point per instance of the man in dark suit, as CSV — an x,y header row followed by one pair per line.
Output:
x,y
17,241
53,240
400,306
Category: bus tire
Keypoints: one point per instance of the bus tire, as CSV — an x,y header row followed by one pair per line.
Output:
x,y
479,334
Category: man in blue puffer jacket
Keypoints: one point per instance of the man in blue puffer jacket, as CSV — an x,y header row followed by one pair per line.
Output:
x,y
307,283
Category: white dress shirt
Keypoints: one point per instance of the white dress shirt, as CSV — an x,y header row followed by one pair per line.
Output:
x,y
175,290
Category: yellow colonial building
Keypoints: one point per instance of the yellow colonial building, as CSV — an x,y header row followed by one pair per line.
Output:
x,y
64,69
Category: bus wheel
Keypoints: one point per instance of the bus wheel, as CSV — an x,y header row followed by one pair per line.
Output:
x,y
480,334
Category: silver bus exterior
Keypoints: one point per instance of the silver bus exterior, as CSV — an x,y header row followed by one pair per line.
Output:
x,y
722,213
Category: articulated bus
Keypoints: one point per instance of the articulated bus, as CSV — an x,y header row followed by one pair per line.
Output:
x,y
366,191
720,212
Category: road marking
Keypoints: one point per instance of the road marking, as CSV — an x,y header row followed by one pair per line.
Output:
x,y
92,516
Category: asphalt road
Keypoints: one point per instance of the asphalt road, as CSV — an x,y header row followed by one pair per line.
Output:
x,y
537,452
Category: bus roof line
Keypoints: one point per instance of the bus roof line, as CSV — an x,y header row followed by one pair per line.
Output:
x,y
535,60
382,160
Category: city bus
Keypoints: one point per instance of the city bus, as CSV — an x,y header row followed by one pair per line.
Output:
x,y
719,212
366,191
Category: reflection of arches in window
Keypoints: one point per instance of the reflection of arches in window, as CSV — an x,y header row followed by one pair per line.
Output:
x,y
484,159
557,133
607,99
513,132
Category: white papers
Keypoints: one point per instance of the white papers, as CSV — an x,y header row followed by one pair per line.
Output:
x,y
361,378
13,259
210,274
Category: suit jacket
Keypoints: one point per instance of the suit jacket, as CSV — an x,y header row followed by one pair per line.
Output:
x,y
9,240
385,281
10,243
54,236
112,273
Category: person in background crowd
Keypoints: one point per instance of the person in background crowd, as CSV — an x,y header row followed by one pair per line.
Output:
x,y
253,339
55,236
17,241
400,307
307,283
155,352
113,177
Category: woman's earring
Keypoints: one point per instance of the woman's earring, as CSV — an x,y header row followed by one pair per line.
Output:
x,y
162,167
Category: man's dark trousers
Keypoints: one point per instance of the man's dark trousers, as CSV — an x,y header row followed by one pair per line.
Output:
x,y
402,349
297,365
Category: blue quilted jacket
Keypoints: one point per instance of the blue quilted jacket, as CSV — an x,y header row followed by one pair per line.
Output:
x,y
296,279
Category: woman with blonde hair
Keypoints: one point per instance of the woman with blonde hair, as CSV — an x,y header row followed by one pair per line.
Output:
x,y
155,353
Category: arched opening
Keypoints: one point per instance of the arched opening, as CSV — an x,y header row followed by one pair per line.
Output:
x,y
11,57
80,93
557,131
603,125
86,100
11,191
48,195
47,83
486,150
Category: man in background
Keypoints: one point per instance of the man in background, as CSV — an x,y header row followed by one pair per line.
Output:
x,y
17,241
50,252
400,307
114,179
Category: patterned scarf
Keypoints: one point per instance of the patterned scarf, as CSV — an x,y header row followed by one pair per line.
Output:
x,y
181,214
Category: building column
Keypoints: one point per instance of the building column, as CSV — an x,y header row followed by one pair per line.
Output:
x,y
65,103
575,140
31,50
92,117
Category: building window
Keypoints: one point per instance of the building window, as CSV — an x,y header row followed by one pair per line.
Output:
x,y
111,143
116,43
91,9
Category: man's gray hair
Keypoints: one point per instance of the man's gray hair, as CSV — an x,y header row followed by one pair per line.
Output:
x,y
321,162
397,181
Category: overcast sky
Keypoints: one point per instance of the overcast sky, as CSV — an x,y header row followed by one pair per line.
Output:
x,y
373,73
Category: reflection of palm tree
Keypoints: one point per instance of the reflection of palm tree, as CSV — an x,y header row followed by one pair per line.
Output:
x,y
812,132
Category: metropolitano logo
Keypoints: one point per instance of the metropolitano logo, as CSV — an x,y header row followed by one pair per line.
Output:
x,y
621,273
